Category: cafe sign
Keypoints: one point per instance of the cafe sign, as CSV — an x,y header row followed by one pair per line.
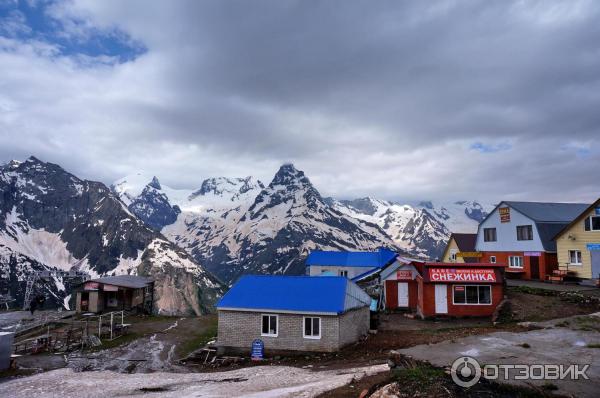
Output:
x,y
461,275
91,286
403,274
504,214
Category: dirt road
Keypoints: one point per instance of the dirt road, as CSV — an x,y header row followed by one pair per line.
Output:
x,y
573,340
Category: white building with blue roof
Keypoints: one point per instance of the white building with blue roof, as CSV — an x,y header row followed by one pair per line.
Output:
x,y
292,313
350,264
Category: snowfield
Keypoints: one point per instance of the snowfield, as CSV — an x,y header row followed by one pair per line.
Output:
x,y
261,381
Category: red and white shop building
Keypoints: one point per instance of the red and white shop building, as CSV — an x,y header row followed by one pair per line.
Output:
x,y
520,236
459,290
443,289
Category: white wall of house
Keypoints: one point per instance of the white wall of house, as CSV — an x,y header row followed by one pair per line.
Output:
x,y
506,233
316,270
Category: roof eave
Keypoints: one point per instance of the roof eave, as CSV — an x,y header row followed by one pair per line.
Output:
x,y
278,311
576,219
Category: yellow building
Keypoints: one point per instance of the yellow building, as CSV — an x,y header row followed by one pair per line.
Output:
x,y
578,244
460,249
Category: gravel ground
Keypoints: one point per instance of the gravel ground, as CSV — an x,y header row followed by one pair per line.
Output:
x,y
261,381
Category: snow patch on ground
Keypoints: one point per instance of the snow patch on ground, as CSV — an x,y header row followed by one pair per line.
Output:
x,y
258,381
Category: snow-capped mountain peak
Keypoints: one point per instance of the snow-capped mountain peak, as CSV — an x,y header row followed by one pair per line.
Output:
x,y
422,228
237,225
53,220
154,183
227,188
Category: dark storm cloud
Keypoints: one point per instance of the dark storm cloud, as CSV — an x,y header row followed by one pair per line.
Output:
x,y
393,99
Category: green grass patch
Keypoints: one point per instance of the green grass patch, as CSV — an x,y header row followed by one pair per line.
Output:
x,y
9,373
547,386
589,323
423,375
197,341
108,344
147,318
533,290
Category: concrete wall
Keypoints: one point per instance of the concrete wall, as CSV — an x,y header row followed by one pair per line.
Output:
x,y
577,238
353,325
96,304
237,329
316,270
6,342
78,302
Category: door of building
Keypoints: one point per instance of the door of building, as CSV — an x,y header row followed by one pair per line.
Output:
x,y
402,294
441,299
534,267
595,264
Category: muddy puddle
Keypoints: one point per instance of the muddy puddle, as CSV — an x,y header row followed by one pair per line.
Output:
x,y
152,353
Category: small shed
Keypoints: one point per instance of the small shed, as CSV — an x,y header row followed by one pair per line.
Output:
x,y
113,293
400,288
292,313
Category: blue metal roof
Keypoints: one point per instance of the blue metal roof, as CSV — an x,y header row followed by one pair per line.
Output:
x,y
366,274
378,259
325,294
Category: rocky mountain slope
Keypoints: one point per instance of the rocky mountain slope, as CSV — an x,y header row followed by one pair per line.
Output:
x,y
422,228
237,226
52,220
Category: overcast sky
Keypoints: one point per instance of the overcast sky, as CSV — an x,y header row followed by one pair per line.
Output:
x,y
402,100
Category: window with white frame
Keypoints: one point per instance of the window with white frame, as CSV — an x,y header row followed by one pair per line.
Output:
x,y
575,257
472,295
515,261
592,223
489,234
344,273
524,232
312,327
270,325
493,259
